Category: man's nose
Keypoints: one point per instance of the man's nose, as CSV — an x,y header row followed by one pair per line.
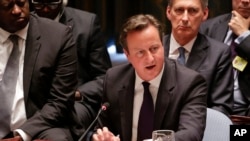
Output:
x,y
185,15
46,8
150,56
16,10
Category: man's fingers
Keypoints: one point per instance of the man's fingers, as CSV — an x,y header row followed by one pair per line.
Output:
x,y
236,14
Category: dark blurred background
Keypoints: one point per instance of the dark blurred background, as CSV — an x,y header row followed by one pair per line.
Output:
x,y
113,13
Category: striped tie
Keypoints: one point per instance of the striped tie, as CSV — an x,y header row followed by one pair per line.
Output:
x,y
8,87
181,58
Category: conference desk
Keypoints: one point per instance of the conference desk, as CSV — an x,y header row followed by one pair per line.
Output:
x,y
240,120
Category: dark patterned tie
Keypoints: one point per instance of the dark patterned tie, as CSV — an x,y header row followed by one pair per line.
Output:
x,y
8,87
146,116
233,45
181,58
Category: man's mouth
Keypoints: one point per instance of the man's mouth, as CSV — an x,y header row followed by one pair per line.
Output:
x,y
183,27
150,67
20,19
245,8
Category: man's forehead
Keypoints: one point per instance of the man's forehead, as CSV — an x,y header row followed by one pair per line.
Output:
x,y
6,2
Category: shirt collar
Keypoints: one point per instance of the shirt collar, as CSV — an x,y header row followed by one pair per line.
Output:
x,y
4,35
153,83
174,45
58,17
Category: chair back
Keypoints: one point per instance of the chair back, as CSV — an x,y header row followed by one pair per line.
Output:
x,y
217,126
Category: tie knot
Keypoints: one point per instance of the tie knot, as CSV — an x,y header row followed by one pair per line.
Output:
x,y
181,50
145,84
14,38
234,36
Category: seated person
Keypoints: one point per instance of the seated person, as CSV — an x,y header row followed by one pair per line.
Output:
x,y
93,58
205,55
233,29
151,92
38,75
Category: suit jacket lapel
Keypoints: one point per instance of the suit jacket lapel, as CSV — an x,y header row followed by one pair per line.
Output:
x,y
66,19
31,50
165,93
126,101
166,44
198,53
221,30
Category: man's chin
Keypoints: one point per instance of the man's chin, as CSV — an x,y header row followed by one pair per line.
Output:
x,y
49,16
244,13
17,26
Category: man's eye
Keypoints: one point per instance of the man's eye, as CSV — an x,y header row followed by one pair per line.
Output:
x,y
139,54
179,11
154,49
192,11
21,3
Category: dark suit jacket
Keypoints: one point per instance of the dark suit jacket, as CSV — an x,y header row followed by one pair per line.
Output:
x,y
217,28
212,60
180,104
93,58
50,76
91,47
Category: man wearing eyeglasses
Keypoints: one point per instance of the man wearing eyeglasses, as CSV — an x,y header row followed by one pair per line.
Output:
x,y
93,59
48,8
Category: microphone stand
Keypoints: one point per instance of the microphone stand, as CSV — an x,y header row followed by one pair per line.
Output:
x,y
103,108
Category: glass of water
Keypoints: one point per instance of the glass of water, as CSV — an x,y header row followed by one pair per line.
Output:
x,y
163,135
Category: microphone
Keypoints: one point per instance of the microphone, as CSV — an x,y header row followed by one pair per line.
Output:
x,y
103,108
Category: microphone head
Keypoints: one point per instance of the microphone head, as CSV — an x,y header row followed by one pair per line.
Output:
x,y
105,106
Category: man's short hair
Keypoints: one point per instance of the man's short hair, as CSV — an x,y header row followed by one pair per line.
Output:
x,y
138,23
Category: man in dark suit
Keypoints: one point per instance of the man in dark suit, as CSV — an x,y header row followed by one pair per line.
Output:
x,y
93,59
178,94
207,56
44,93
223,28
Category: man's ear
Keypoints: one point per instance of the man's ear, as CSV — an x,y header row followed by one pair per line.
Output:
x,y
168,15
205,12
126,52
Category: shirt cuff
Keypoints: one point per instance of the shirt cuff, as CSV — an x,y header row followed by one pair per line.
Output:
x,y
24,136
243,36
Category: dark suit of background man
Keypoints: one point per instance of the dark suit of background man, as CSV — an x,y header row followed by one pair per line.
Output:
x,y
178,93
91,49
207,56
222,28
46,85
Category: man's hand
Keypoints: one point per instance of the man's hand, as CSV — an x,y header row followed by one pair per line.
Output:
x,y
238,24
104,135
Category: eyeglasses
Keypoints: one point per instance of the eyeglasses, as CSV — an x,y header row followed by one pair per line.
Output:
x,y
40,5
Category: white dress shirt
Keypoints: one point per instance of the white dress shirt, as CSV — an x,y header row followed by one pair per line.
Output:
x,y
18,115
138,98
173,48
240,103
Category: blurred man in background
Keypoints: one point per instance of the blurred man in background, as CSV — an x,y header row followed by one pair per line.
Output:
x,y
38,75
93,58
203,54
233,30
